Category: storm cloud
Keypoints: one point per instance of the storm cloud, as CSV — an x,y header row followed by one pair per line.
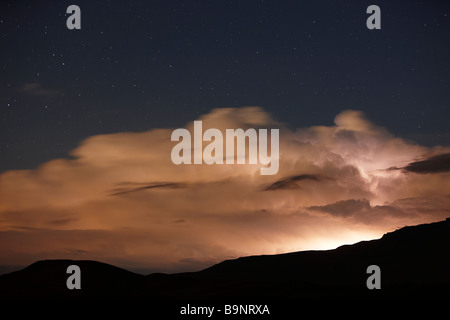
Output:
x,y
120,199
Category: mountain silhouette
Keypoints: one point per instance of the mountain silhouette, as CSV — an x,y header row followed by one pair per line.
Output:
x,y
414,263
47,279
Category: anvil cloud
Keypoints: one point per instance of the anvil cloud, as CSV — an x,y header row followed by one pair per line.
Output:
x,y
120,199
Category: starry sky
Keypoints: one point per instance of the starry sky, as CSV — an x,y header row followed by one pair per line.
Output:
x,y
86,118
139,65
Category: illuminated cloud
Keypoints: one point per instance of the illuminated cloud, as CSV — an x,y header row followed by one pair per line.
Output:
x,y
120,199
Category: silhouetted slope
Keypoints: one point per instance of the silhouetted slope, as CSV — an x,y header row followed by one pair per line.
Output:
x,y
47,279
412,257
414,262
405,252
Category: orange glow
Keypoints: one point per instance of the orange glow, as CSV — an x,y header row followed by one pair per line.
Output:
x,y
121,199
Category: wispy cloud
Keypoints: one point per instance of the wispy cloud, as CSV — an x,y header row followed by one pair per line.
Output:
x,y
292,182
36,89
134,187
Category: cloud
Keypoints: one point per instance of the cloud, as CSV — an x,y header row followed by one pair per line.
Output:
x,y
360,210
131,187
36,89
292,182
345,207
120,199
434,164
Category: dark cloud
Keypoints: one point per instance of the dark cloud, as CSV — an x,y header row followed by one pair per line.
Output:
x,y
125,190
292,182
344,208
362,211
434,164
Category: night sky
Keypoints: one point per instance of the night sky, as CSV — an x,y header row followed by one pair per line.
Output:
x,y
86,118
138,65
